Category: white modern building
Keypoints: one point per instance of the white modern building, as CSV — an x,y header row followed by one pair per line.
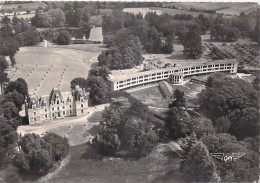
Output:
x,y
174,74
56,105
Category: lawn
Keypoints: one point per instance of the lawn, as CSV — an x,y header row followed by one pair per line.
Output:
x,y
87,165
54,66
151,96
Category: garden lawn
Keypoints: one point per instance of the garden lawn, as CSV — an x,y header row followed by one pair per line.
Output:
x,y
87,165
55,66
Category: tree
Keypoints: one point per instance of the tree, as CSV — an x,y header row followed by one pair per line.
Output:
x,y
16,98
57,17
256,83
124,56
192,44
177,123
8,47
179,99
168,47
201,126
5,20
30,37
3,75
63,38
38,155
98,90
222,124
126,129
199,166
60,145
243,169
234,99
191,141
8,138
10,110
79,81
18,85
41,20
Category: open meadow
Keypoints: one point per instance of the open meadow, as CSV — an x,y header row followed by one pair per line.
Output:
x,y
88,165
227,8
44,68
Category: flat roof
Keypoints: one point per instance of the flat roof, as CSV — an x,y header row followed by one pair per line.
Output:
x,y
131,74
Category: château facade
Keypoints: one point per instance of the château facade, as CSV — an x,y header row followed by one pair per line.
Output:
x,y
56,105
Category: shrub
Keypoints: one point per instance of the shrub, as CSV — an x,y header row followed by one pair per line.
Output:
x,y
63,38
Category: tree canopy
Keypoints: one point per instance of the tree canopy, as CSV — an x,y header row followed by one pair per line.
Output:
x,y
127,129
234,99
38,155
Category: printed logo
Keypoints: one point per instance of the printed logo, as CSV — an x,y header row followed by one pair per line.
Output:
x,y
225,158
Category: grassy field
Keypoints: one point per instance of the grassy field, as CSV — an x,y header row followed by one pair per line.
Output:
x,y
151,96
179,11
220,7
87,165
25,6
44,68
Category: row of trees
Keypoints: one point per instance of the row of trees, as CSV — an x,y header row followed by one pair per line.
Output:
x,y
72,14
222,32
156,33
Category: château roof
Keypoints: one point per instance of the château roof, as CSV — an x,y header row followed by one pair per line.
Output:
x,y
55,92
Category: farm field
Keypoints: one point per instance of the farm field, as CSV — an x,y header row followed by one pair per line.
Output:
x,y
220,7
244,50
44,68
32,6
173,12
87,165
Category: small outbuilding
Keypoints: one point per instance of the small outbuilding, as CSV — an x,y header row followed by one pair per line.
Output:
x,y
166,89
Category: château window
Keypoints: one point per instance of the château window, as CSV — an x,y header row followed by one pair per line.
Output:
x,y
81,105
34,113
45,115
45,110
63,112
58,102
82,111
